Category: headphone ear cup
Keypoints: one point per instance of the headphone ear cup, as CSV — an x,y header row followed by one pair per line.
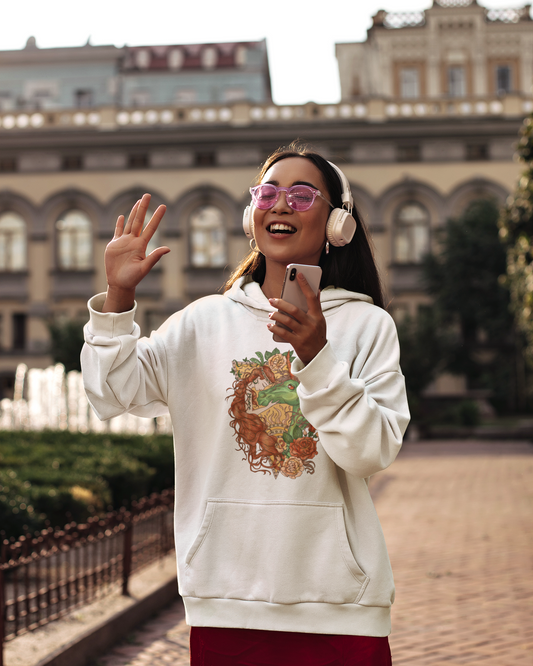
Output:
x,y
248,221
340,227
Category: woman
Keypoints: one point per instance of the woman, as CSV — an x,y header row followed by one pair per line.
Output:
x,y
281,558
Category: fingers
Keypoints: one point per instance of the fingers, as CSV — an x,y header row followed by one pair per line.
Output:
x,y
313,300
280,333
152,225
119,227
131,217
307,331
152,259
136,217
135,222
283,319
138,220
314,310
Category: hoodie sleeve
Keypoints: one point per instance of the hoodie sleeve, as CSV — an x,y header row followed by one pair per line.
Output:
x,y
121,372
360,410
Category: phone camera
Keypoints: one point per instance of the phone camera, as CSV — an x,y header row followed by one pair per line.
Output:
x,y
292,276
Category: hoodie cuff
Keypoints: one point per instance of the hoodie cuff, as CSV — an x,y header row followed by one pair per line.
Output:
x,y
109,324
319,373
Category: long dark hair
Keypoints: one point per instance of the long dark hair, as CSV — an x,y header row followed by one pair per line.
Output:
x,y
351,267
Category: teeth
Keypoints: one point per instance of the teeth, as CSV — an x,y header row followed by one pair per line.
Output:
x,y
281,227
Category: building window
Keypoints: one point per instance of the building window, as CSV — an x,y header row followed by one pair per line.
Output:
x,y
138,161
205,159
83,99
7,385
12,242
241,55
185,96
208,237
209,57
234,94
143,58
41,94
411,233
175,58
71,163
74,241
409,153
19,331
477,152
154,320
503,79
6,101
8,164
139,98
409,83
456,81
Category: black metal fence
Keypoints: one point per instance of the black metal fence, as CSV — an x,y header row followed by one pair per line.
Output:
x,y
44,577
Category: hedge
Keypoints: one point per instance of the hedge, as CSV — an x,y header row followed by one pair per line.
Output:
x,y
51,478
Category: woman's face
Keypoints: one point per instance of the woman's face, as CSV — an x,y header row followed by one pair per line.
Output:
x,y
285,235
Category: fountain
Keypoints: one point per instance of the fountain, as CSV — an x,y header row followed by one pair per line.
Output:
x,y
56,400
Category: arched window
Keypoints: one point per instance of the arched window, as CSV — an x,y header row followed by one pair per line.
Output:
x,y
411,233
74,241
208,237
12,242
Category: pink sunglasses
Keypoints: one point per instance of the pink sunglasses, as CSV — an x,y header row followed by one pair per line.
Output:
x,y
298,197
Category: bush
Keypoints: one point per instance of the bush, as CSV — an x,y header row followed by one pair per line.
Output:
x,y
464,413
55,477
468,413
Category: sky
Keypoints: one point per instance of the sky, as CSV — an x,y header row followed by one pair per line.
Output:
x,y
301,35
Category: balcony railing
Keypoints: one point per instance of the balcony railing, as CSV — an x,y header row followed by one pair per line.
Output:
x,y
364,110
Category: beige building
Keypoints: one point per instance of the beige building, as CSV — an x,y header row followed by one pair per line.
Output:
x,y
431,106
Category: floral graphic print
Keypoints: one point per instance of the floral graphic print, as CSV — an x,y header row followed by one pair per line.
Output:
x,y
269,426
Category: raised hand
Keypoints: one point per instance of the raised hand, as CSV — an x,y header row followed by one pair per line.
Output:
x,y
126,263
307,330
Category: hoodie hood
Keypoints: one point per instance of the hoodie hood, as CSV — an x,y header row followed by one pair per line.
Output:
x,y
249,293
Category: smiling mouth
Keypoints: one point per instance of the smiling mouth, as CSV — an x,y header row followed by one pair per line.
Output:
x,y
279,228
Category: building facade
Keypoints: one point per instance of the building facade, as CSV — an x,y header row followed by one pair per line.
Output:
x,y
71,162
455,49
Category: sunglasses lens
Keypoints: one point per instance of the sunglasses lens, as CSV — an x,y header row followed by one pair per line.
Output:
x,y
300,197
264,196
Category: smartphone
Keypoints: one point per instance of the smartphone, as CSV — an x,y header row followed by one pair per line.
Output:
x,y
291,291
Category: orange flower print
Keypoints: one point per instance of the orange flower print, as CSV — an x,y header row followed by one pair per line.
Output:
x,y
292,467
271,431
304,448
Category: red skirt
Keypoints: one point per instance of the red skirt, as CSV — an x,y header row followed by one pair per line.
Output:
x,y
252,647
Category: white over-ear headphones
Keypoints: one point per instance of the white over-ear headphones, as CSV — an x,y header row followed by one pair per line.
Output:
x,y
340,226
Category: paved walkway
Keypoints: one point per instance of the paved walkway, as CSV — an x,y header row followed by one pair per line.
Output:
x,y
457,518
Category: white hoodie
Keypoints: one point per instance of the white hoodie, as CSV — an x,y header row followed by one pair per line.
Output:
x,y
275,527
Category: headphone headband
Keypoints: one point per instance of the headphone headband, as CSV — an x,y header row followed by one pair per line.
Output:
x,y
347,198
340,226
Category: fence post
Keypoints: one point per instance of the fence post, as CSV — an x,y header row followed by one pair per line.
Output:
x,y
2,616
126,558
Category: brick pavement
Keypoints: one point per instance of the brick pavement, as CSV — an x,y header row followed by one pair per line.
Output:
x,y
457,520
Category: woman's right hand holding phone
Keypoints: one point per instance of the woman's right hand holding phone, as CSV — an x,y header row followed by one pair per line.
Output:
x,y
305,331
126,263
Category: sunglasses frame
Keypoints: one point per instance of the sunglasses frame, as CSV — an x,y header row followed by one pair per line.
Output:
x,y
287,191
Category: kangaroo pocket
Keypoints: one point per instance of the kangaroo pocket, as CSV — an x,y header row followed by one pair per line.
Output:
x,y
279,552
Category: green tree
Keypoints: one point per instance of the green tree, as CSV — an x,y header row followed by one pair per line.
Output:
x,y
464,278
66,338
516,231
424,349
